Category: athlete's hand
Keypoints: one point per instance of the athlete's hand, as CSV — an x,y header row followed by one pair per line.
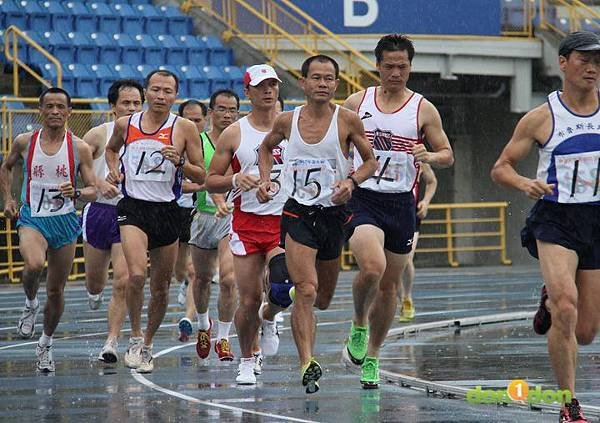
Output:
x,y
170,153
10,210
421,154
262,194
343,191
114,178
107,190
223,209
67,190
246,182
422,209
534,188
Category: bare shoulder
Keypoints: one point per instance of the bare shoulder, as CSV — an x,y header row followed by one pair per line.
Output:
x,y
230,137
283,120
22,140
122,122
348,116
353,102
537,116
82,147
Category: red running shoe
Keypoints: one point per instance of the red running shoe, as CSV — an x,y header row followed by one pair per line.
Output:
x,y
223,350
572,413
542,319
203,343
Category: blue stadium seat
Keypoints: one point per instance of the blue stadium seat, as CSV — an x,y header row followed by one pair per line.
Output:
x,y
11,13
33,55
236,78
198,85
108,49
105,77
108,21
60,19
86,84
197,52
154,22
86,51
131,51
131,22
217,54
145,69
153,51
140,1
176,54
68,80
218,80
127,71
83,19
178,23
37,18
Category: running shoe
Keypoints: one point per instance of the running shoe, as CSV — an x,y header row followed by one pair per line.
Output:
x,y
269,339
182,294
26,325
572,413
369,378
95,300
311,373
223,350
246,372
203,343
147,364
407,312
133,355
258,362
45,359
185,329
542,319
108,354
356,346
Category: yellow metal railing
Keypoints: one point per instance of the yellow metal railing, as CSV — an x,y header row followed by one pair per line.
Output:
x,y
269,26
443,231
563,16
524,27
11,51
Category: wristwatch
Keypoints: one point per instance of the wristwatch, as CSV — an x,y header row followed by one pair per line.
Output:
x,y
181,161
77,194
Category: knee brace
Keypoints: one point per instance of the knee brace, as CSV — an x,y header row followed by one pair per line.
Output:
x,y
279,282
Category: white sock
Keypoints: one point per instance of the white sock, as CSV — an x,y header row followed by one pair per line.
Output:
x,y
223,330
45,340
203,321
31,303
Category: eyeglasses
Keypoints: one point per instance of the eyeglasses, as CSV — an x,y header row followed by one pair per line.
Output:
x,y
224,110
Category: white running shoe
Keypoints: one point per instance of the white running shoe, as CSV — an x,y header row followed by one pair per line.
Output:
x,y
95,300
269,340
133,355
26,325
246,372
45,359
108,354
258,363
182,295
147,364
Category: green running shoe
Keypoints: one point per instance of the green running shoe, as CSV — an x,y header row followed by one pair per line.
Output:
x,y
369,378
311,373
356,346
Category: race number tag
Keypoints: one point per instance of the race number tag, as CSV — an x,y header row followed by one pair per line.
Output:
x,y
46,200
393,167
312,178
147,164
578,176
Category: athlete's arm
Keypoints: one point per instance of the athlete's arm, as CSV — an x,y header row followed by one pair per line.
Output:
x,y
353,102
433,130
95,138
117,140
280,131
6,176
527,132
193,167
86,170
430,182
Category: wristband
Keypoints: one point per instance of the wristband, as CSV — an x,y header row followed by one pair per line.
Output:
x,y
77,194
233,181
181,161
351,177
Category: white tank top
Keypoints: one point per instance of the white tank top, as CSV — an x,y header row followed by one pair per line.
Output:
x,y
570,158
186,200
44,175
312,169
101,168
245,160
148,175
392,136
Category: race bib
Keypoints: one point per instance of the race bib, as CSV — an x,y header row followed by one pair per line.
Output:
x,y
312,179
393,166
147,164
46,200
577,177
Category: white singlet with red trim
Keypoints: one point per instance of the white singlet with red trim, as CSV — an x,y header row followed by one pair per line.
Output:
x,y
245,160
46,173
148,175
311,170
101,168
392,136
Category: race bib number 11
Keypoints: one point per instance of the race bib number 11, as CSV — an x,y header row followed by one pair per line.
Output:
x,y
578,177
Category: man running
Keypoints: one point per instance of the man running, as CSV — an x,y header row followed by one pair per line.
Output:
x,y
562,229
47,225
156,144
396,120
318,183
255,226
101,239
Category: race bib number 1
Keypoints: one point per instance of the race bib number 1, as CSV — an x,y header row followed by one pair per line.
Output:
x,y
46,200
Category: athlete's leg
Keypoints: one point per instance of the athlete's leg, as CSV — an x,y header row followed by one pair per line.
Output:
x,y
205,264
60,262
228,294
408,277
33,247
588,312
135,246
96,270
117,308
